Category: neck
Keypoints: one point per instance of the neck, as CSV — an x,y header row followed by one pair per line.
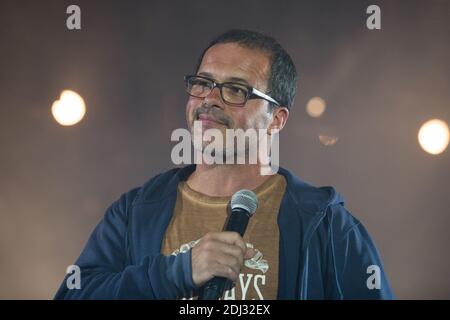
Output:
x,y
224,180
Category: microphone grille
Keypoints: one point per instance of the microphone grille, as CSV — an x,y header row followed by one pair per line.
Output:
x,y
244,199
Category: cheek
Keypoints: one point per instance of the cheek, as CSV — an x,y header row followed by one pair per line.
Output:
x,y
247,115
190,106
238,118
256,115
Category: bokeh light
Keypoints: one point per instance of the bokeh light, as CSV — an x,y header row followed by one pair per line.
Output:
x,y
434,136
327,140
316,107
69,109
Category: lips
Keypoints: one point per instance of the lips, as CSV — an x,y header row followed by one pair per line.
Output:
x,y
207,119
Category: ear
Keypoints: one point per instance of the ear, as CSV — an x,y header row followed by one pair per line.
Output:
x,y
279,119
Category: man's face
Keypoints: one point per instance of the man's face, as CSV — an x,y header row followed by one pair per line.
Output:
x,y
231,62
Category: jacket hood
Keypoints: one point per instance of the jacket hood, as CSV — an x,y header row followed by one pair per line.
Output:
x,y
309,198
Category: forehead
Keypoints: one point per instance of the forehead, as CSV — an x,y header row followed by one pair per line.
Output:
x,y
227,61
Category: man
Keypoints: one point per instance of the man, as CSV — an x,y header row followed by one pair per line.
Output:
x,y
164,239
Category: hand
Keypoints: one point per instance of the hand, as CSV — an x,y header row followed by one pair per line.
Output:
x,y
220,254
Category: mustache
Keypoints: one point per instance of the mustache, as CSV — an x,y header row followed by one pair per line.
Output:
x,y
214,113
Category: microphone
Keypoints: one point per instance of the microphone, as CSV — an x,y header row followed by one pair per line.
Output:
x,y
243,205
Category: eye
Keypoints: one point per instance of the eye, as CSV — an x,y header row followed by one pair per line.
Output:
x,y
237,90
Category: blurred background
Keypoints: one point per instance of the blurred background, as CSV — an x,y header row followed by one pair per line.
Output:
x,y
363,96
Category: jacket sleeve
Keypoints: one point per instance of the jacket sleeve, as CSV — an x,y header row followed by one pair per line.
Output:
x,y
106,275
358,269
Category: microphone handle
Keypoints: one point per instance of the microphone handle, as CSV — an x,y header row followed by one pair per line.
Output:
x,y
237,221
214,288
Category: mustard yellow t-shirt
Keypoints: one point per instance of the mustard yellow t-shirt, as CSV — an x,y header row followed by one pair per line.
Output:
x,y
197,214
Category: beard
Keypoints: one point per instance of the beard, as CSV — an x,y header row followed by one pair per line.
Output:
x,y
216,114
229,149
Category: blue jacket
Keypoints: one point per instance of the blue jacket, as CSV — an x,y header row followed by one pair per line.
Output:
x,y
325,253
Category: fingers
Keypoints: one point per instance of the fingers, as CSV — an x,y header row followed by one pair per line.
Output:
x,y
229,237
229,250
218,254
249,253
230,261
225,271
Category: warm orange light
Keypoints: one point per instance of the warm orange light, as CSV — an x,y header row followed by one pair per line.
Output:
x,y
316,107
327,140
434,136
69,109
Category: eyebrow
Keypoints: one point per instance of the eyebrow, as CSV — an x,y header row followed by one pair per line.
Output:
x,y
230,79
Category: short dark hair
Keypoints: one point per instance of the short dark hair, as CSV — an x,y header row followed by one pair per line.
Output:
x,y
283,74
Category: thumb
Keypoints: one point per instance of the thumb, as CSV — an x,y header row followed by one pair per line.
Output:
x,y
249,253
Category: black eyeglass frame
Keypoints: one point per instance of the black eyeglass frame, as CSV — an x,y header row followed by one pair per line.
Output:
x,y
252,93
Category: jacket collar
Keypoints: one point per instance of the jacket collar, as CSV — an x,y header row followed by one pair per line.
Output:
x,y
309,199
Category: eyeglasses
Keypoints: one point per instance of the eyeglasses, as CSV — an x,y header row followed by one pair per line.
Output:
x,y
232,93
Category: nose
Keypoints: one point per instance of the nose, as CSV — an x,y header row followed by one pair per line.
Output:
x,y
214,98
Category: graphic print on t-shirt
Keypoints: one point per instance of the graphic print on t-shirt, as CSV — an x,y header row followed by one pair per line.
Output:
x,y
250,279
